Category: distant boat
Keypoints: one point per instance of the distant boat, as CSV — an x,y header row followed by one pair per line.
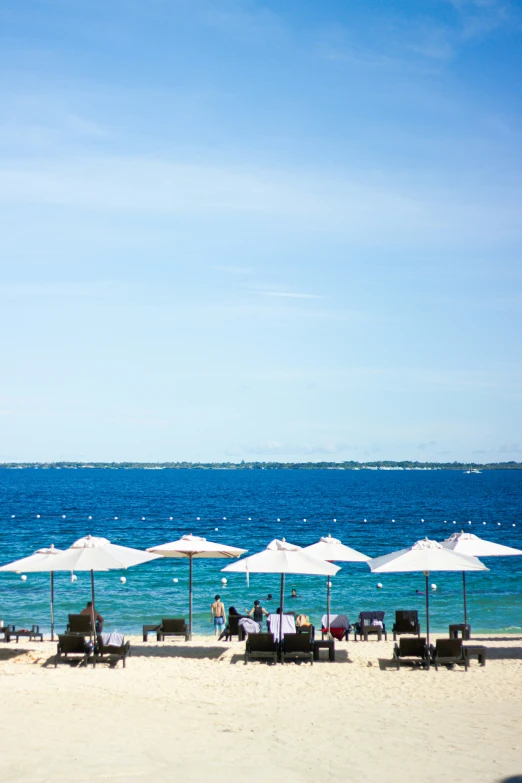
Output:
x,y
473,470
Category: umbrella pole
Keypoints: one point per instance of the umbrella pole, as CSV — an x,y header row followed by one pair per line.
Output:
x,y
190,597
52,606
427,609
465,605
282,607
93,613
328,603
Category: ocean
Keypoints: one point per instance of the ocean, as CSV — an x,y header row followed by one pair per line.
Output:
x,y
373,511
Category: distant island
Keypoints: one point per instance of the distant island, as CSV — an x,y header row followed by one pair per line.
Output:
x,y
349,465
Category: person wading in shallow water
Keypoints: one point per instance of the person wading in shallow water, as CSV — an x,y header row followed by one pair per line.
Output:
x,y
217,613
257,612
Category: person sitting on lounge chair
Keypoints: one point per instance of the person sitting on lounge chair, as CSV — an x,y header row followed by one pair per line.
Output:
x,y
97,616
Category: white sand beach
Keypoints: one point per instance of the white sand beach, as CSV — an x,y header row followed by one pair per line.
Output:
x,y
192,712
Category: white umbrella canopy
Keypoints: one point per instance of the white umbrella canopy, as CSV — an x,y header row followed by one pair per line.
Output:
x,y
469,544
282,557
426,556
43,560
194,547
93,553
331,549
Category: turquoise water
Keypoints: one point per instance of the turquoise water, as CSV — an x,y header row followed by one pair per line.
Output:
x,y
306,503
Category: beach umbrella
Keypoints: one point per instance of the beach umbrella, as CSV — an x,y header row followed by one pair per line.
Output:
x,y
425,556
470,544
282,557
93,553
43,560
194,547
333,550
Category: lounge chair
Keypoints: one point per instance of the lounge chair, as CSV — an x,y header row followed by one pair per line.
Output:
x,y
261,645
297,646
447,652
339,626
80,624
172,626
370,624
11,631
71,648
411,651
233,628
111,654
274,620
406,621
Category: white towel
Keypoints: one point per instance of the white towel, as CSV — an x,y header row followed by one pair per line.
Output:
x,y
336,621
112,639
288,625
249,626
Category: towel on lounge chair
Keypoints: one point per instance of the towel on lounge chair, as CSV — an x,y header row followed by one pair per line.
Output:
x,y
336,621
274,625
112,639
249,625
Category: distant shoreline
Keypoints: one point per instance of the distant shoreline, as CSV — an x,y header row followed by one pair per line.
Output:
x,y
473,467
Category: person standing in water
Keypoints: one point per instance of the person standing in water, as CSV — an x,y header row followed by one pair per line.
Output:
x,y
217,614
257,612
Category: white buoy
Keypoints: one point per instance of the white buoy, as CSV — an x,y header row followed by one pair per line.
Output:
x,y
38,516
454,522
89,517
278,519
143,519
469,523
23,578
483,523
175,581
12,516
393,520
498,523
422,520
379,585
364,520
63,516
335,520
304,520
223,581
74,578
216,529
198,518
115,517
513,525
250,519
433,587
171,518
224,519
123,580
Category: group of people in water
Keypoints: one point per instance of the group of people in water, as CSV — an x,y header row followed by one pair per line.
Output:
x,y
257,613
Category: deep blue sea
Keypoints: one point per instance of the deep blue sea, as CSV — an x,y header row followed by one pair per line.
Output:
x,y
373,511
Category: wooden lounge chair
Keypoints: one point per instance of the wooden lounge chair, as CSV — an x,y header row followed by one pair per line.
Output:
x,y
80,624
411,651
364,626
110,653
447,652
406,621
71,648
173,626
261,645
233,628
11,631
297,646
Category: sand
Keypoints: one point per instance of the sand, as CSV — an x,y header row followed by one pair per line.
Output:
x,y
194,712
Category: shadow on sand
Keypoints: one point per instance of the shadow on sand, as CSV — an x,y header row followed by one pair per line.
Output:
x,y
171,651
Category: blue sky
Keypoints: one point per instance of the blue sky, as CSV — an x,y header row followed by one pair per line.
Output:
x,y
260,230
